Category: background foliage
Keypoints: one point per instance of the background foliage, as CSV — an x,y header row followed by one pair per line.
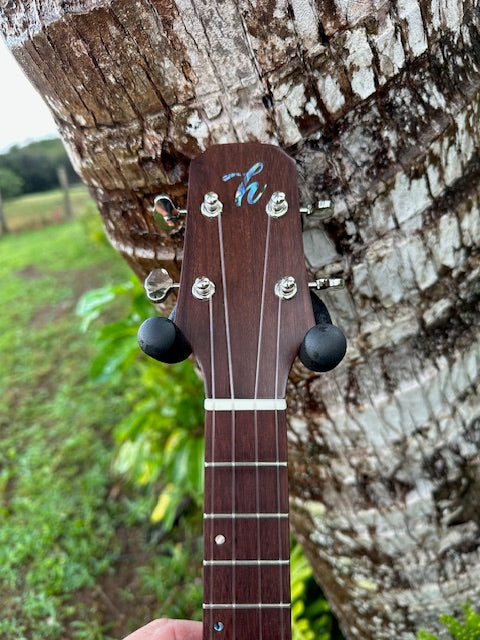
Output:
x,y
33,168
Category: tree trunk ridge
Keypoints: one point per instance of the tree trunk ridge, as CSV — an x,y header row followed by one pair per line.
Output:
x,y
378,102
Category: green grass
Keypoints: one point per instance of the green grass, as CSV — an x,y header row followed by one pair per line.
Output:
x,y
38,209
63,514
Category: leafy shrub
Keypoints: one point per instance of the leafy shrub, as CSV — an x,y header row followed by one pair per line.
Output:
x,y
161,440
312,618
468,631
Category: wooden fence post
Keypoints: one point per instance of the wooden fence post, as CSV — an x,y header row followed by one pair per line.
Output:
x,y
67,203
3,221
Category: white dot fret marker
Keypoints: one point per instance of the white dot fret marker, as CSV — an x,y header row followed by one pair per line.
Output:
x,y
220,539
245,404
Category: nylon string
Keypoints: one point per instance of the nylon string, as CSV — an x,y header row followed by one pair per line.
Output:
x,y
255,395
213,426
232,396
277,453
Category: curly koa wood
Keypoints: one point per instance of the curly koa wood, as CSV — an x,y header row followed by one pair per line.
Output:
x,y
378,102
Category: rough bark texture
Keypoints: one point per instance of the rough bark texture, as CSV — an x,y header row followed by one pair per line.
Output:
x,y
379,104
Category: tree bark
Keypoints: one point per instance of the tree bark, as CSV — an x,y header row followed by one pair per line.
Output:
x,y
378,102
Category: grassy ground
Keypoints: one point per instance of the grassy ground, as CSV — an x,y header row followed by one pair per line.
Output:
x,y
39,209
71,534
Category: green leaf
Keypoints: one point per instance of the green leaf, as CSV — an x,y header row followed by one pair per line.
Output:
x,y
456,629
423,634
92,303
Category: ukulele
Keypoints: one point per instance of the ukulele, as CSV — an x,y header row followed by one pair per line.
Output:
x,y
245,310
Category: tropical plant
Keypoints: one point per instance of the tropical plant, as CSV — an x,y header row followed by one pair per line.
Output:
x,y
160,442
468,631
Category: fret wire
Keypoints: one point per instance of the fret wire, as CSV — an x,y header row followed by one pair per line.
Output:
x,y
228,463
253,605
244,563
234,516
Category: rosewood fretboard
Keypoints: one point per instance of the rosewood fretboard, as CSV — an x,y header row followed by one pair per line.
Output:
x,y
246,535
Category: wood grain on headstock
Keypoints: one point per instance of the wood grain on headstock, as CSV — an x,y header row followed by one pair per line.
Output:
x,y
244,231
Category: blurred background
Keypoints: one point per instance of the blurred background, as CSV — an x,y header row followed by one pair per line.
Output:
x,y
101,451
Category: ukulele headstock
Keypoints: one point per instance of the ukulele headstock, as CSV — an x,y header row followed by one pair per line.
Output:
x,y
244,304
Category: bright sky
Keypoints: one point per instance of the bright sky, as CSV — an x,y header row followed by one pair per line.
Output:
x,y
23,114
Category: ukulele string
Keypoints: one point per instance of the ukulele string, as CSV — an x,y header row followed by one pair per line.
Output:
x,y
212,457
277,453
232,396
255,395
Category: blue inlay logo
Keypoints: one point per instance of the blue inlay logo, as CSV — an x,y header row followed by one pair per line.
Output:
x,y
252,189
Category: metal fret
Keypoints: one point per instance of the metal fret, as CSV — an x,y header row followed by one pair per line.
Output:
x,y
245,464
208,516
253,605
244,563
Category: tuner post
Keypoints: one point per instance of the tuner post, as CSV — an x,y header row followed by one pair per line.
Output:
x,y
286,288
203,288
277,206
211,206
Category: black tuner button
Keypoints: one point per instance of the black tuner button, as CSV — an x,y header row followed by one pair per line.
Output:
x,y
324,345
162,340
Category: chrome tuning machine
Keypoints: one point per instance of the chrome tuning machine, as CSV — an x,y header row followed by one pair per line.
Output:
x,y
159,285
327,283
165,213
322,210
324,345
159,337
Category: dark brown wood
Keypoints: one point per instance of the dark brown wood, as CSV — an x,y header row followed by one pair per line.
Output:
x,y
247,490
245,340
244,234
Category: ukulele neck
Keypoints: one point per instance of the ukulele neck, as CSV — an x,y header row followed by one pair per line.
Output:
x,y
244,307
246,532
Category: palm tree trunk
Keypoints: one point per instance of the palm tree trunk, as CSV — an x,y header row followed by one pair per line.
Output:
x,y
378,102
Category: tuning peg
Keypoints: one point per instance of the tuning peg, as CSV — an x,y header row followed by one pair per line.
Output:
x,y
162,340
165,213
324,345
322,209
327,283
159,285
